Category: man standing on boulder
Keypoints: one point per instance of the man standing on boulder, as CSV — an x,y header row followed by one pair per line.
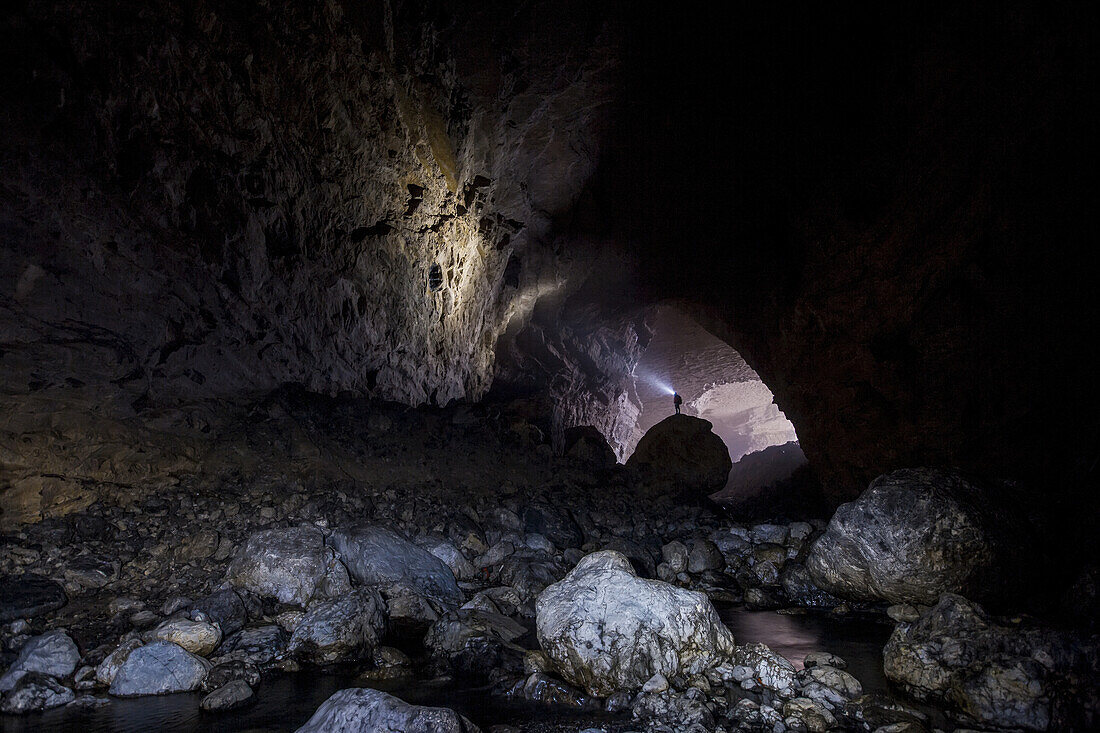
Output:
x,y
677,400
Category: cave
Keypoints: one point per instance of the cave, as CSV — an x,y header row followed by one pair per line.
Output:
x,y
339,343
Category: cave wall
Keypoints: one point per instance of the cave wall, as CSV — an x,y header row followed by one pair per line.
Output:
x,y
887,212
204,201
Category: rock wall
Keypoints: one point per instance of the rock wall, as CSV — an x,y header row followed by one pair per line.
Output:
x,y
206,201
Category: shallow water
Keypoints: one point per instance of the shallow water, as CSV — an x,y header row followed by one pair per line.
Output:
x,y
285,702
858,639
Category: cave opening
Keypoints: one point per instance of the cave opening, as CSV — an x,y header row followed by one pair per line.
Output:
x,y
254,476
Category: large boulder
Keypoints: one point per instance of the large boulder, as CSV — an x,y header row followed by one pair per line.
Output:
x,y
34,692
914,534
681,454
1005,674
607,630
380,557
159,668
361,709
291,565
343,630
52,653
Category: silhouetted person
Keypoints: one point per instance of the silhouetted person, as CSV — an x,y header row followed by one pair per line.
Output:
x,y
677,400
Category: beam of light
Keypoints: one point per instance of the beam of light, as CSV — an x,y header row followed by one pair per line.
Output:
x,y
656,382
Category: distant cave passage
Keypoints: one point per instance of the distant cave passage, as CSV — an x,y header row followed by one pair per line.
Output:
x,y
714,381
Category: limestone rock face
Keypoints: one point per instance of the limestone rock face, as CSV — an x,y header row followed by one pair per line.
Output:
x,y
341,198
291,565
912,535
159,668
380,557
607,629
681,453
359,709
52,653
341,630
998,673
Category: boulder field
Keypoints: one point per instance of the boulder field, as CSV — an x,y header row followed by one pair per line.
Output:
x,y
540,581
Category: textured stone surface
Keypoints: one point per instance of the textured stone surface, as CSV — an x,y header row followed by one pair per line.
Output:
x,y
354,710
607,629
914,534
195,636
681,454
231,696
52,653
292,565
33,692
380,557
159,668
998,672
271,188
341,630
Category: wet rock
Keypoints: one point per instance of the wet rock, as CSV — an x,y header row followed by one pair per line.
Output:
x,y
342,630
680,712
767,669
606,629
874,712
380,557
196,637
52,653
999,673
835,679
258,646
681,454
225,608
28,596
34,692
159,668
232,696
473,642
107,670
914,534
800,589
222,674
290,565
541,688
362,709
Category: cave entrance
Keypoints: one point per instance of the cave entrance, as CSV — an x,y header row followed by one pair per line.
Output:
x,y
717,385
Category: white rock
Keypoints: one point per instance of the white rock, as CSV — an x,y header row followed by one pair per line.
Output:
x,y
607,629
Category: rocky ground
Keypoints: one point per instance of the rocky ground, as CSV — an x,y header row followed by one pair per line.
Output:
x,y
454,544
